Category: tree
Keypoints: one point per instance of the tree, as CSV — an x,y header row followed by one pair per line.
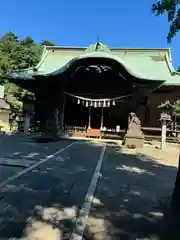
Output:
x,y
47,43
176,193
16,54
10,36
172,9
27,41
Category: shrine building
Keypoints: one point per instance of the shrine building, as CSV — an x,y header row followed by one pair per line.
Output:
x,y
98,87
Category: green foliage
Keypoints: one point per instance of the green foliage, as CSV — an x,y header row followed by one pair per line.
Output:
x,y
12,95
47,43
172,9
10,36
28,41
178,108
16,54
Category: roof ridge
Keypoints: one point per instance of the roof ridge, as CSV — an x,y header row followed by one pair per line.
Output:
x,y
95,54
168,58
43,57
111,48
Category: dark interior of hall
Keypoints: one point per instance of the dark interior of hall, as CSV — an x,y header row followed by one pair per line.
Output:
x,y
78,115
99,79
104,77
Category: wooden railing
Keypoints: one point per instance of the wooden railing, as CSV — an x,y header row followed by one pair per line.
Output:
x,y
155,134
96,133
75,131
149,133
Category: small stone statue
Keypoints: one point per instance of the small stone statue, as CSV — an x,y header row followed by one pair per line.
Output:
x,y
134,137
133,121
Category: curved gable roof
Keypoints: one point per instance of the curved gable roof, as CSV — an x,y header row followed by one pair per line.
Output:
x,y
149,64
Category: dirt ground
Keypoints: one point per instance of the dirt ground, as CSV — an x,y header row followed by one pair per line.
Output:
x,y
135,188
168,156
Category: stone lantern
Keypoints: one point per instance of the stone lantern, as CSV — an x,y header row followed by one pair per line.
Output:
x,y
4,112
28,110
166,112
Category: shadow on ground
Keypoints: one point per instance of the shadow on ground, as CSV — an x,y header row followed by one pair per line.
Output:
x,y
130,202
29,147
43,202
18,151
133,197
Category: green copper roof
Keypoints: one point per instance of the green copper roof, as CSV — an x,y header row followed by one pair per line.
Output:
x,y
149,64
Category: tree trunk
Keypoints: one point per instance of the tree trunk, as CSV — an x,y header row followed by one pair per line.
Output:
x,y
175,201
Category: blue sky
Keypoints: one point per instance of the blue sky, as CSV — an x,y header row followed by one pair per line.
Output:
x,y
119,23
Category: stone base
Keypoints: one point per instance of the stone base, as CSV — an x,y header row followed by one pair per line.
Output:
x,y
51,136
46,138
134,141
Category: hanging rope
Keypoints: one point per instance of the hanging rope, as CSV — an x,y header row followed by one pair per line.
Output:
x,y
97,99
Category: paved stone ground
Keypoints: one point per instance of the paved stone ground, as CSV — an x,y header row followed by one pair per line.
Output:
x,y
19,149
24,147
127,201
61,182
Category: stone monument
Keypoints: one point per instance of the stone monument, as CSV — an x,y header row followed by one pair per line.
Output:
x,y
28,111
134,137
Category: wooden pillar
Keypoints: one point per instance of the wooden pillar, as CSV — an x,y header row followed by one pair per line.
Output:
x,y
61,108
26,123
52,102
